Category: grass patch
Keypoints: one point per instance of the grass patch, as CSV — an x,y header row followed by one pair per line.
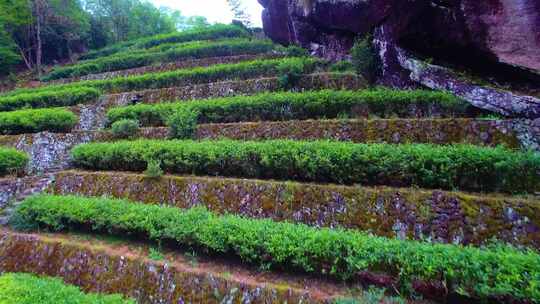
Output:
x,y
464,167
497,271
23,288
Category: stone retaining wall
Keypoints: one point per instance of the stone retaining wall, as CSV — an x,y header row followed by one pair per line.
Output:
x,y
106,269
450,217
239,87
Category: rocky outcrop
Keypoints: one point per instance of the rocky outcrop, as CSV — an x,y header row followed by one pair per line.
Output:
x,y
506,30
501,37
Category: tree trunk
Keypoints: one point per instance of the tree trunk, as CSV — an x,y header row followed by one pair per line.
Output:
x,y
39,17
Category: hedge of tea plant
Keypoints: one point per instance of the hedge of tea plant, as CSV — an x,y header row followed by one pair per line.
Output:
x,y
302,105
37,120
483,273
194,50
465,167
12,161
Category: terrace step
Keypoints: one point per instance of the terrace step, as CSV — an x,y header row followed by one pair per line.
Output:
x,y
93,116
433,215
124,267
315,81
435,131
170,66
15,190
49,152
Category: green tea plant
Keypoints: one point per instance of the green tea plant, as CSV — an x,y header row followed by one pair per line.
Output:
x,y
380,102
219,72
194,50
125,128
498,272
183,123
22,288
38,120
50,98
465,167
153,169
217,31
12,161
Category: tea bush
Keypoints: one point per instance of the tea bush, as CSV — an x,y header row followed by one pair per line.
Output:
x,y
464,167
37,120
12,161
217,31
20,288
183,123
197,75
496,271
385,103
194,50
125,128
50,98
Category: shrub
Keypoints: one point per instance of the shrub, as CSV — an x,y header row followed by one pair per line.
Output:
x,y
208,33
302,105
342,66
496,271
290,74
153,169
50,98
183,124
365,59
199,49
32,121
295,51
125,128
12,161
455,166
29,289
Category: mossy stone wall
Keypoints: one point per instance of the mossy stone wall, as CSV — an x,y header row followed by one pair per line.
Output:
x,y
449,217
106,269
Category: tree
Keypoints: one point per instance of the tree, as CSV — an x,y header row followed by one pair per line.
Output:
x,y
8,52
240,12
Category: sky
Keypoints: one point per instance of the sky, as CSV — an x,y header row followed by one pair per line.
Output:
x,y
213,10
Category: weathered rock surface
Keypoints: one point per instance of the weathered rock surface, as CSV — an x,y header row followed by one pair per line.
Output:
x,y
503,36
507,30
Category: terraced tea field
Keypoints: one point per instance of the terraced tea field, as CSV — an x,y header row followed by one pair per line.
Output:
x,y
213,167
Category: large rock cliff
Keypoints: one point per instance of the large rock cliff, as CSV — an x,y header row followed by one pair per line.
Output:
x,y
496,37
504,30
